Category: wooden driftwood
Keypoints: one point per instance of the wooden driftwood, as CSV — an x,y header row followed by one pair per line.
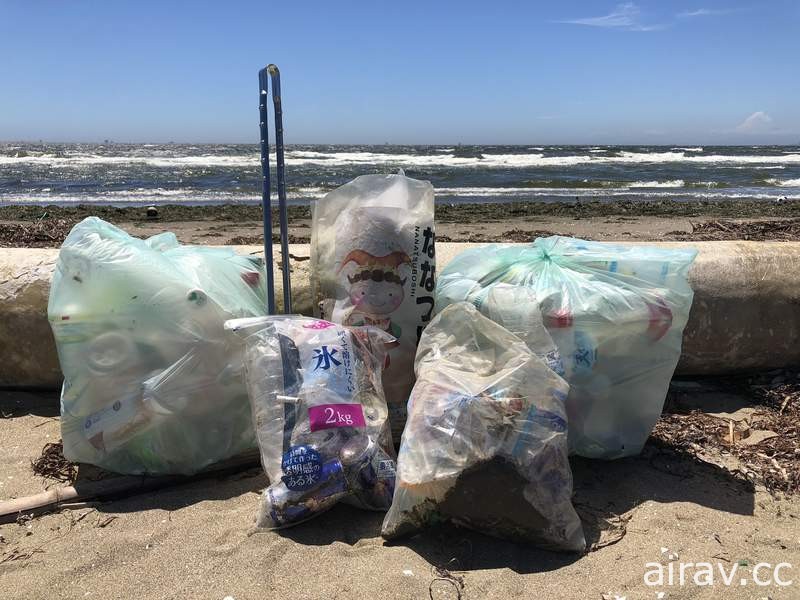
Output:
x,y
115,487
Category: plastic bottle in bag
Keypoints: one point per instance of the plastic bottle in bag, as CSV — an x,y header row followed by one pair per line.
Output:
x,y
485,444
320,415
615,312
152,384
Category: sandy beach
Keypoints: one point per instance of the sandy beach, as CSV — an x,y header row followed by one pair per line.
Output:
x,y
661,140
684,500
509,222
677,503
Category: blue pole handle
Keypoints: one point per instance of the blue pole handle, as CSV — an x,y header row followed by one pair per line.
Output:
x,y
275,77
266,203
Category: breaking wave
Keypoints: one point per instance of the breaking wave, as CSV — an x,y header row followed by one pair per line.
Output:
x,y
440,159
674,183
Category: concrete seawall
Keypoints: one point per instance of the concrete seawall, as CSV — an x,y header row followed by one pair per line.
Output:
x,y
746,312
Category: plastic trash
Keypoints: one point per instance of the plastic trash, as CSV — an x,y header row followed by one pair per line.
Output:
x,y
320,415
373,262
616,314
152,384
485,444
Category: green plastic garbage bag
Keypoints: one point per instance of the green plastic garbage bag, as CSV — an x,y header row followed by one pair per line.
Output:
x,y
615,314
152,382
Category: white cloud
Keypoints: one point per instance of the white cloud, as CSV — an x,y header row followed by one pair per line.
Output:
x,y
625,16
758,122
706,12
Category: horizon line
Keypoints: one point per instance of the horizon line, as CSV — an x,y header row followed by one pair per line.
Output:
x,y
456,144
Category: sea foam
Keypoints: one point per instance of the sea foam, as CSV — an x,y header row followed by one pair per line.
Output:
x,y
346,158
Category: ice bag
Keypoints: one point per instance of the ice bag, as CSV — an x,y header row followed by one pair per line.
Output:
x,y
615,312
320,415
151,382
485,443
373,262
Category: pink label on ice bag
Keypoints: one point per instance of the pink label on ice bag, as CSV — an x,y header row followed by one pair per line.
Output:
x,y
326,416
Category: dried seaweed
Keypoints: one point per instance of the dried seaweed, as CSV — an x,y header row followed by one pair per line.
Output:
x,y
444,575
52,464
257,240
511,235
773,463
773,229
42,233
17,554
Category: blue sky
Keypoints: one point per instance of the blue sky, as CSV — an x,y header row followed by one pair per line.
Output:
x,y
403,72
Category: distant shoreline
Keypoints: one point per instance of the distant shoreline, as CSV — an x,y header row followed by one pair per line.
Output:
x,y
445,212
660,220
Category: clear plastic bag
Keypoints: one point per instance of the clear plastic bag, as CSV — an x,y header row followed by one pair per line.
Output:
x,y
485,443
320,415
373,262
152,383
616,314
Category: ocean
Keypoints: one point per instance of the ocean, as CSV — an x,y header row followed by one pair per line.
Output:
x,y
135,174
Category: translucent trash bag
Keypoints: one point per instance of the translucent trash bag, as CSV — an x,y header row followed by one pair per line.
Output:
x,y
485,443
152,384
616,314
320,415
373,262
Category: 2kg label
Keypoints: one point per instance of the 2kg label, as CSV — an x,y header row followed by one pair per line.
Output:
x,y
326,416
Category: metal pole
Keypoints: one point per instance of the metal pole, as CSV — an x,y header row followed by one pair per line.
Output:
x,y
266,203
275,76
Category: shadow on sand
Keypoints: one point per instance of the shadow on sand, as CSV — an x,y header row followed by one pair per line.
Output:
x,y
18,403
605,491
181,495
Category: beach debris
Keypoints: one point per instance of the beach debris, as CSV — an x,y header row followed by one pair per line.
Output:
x,y
151,212
107,521
668,555
52,464
320,415
23,509
756,230
485,442
373,262
766,441
441,575
604,526
151,384
614,312
510,235
83,516
17,554
408,573
42,233
24,519
252,240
